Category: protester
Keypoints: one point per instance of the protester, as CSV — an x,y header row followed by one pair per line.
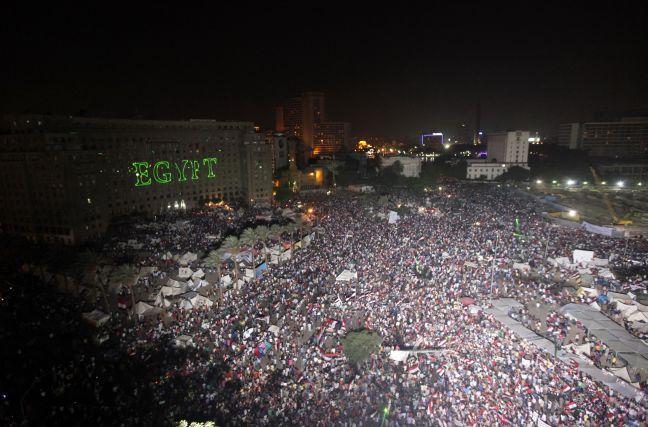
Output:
x,y
412,281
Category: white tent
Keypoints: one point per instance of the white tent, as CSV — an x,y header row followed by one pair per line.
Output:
x,y
96,317
598,262
638,316
226,280
615,296
621,373
274,329
346,276
187,258
162,302
393,217
583,348
194,286
198,274
595,306
141,307
201,301
521,266
398,355
625,309
169,291
184,272
249,273
606,273
184,341
582,256
174,283
640,306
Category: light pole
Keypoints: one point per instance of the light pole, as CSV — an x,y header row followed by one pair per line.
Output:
x,y
493,267
544,257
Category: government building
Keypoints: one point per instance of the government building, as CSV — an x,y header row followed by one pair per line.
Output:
x,y
64,178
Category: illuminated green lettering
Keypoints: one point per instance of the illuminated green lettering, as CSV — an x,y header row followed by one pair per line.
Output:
x,y
161,173
195,165
166,176
181,172
210,162
141,172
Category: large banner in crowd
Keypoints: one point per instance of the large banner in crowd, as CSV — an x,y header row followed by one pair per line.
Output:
x,y
597,229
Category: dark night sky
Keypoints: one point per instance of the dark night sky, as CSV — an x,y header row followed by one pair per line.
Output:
x,y
388,72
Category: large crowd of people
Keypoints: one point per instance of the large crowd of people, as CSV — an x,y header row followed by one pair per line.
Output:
x,y
270,352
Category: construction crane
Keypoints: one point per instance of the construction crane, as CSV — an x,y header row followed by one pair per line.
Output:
x,y
615,218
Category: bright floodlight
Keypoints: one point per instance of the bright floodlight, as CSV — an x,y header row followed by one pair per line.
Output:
x,y
639,184
620,183
571,182
538,181
604,183
572,213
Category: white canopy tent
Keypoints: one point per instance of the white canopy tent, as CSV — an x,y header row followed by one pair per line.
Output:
x,y
346,276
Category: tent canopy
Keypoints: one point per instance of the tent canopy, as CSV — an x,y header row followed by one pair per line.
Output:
x,y
612,334
346,276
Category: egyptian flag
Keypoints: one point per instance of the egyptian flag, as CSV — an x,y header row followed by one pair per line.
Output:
x,y
413,366
503,419
570,406
565,389
430,408
440,371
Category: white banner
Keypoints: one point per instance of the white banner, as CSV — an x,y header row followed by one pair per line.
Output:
x,y
597,229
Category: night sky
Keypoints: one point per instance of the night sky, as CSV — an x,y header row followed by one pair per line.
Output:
x,y
387,72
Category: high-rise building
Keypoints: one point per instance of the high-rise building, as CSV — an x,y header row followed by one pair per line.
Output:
x,y
625,139
330,138
301,114
509,147
569,135
65,177
280,125
505,150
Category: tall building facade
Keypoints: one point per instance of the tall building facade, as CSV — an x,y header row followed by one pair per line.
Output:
x,y
509,147
304,117
301,115
66,177
625,139
330,138
505,150
569,135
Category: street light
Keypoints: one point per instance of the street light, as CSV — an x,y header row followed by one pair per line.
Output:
x,y
620,184
572,213
571,182
538,181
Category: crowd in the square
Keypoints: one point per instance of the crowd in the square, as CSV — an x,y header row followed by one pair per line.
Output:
x,y
269,351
